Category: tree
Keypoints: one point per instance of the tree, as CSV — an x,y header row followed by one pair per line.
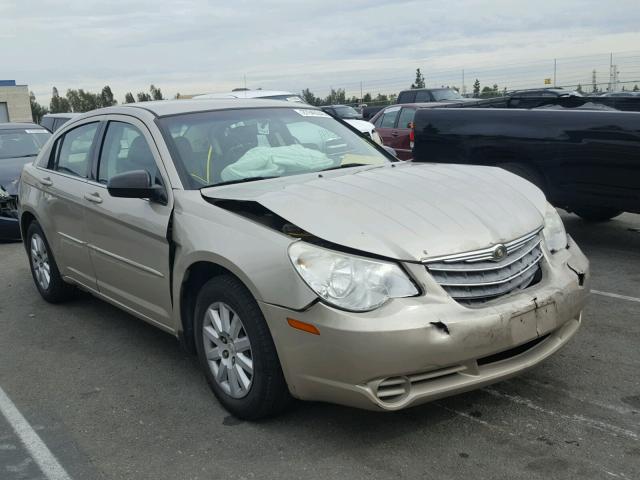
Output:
x,y
419,82
366,98
579,88
106,97
143,97
58,104
37,110
82,101
381,99
128,98
476,88
309,97
156,94
635,88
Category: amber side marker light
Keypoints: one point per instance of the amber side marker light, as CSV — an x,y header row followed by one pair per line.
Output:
x,y
305,327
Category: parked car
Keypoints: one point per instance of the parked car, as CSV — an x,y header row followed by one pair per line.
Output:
x,y
53,121
587,162
394,124
427,95
19,144
345,112
319,269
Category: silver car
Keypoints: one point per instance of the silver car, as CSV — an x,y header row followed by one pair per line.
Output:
x,y
298,259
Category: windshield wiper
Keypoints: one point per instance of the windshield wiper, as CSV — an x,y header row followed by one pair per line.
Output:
x,y
346,165
23,156
241,180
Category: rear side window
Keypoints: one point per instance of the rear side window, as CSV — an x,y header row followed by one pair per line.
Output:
x,y
389,118
406,117
407,97
74,149
423,96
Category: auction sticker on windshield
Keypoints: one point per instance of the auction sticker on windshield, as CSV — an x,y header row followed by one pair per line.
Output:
x,y
311,113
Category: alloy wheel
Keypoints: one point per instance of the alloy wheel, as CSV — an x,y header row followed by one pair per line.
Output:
x,y
40,261
227,349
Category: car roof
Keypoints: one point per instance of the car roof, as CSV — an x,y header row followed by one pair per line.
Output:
x,y
244,94
14,126
163,108
62,115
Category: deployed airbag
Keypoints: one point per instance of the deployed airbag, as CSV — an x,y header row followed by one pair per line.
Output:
x,y
276,161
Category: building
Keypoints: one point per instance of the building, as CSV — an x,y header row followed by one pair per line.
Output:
x,y
14,102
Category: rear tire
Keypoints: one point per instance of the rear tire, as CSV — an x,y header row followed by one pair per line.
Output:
x,y
236,351
44,269
526,172
596,214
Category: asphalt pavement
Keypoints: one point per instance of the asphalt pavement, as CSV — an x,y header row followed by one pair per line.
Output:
x,y
107,396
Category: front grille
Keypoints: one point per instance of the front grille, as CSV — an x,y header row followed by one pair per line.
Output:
x,y
473,278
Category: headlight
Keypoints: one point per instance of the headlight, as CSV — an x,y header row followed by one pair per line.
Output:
x,y
554,234
347,281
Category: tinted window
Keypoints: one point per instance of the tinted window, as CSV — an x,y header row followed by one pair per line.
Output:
x,y
73,157
125,149
423,96
389,118
225,146
407,97
406,117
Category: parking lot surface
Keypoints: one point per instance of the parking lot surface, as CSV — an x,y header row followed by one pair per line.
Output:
x,y
110,397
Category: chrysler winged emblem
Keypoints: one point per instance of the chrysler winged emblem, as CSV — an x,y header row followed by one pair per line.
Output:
x,y
499,253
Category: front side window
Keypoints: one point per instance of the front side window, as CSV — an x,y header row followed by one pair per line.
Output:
x,y
210,148
124,150
389,117
73,150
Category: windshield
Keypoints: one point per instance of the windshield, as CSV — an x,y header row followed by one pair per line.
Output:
x,y
209,148
446,94
347,112
22,142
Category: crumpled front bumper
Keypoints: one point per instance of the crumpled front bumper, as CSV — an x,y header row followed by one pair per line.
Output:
x,y
9,225
414,350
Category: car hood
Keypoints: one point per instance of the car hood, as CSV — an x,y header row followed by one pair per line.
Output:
x,y
361,125
407,211
10,170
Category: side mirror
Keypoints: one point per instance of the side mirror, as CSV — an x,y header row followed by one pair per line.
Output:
x,y
135,184
390,151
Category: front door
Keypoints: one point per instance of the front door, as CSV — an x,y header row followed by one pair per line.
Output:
x,y
128,236
385,126
403,147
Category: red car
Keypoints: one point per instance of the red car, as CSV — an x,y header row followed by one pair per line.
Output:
x,y
394,123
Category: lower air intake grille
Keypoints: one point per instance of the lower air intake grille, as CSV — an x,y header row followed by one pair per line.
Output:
x,y
477,277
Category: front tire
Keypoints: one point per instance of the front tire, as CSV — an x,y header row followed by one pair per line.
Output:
x,y
236,351
596,214
44,269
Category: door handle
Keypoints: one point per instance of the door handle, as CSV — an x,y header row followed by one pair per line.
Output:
x,y
394,134
93,197
46,181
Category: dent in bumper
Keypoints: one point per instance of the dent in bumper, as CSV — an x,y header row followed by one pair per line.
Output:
x,y
425,336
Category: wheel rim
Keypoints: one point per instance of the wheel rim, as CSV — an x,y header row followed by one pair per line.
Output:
x,y
228,350
40,261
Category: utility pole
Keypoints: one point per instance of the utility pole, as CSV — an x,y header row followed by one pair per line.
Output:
x,y
611,67
594,82
555,64
361,101
464,89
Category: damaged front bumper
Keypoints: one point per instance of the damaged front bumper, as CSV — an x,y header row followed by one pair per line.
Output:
x,y
414,350
9,225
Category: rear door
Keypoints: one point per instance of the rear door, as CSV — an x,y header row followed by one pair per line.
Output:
x,y
385,125
64,187
128,236
403,131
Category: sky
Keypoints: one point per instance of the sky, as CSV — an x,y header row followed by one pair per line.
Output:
x,y
199,46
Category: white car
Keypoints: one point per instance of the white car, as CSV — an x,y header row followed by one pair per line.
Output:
x,y
361,125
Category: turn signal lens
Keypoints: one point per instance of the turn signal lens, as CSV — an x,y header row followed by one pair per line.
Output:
x,y
305,327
